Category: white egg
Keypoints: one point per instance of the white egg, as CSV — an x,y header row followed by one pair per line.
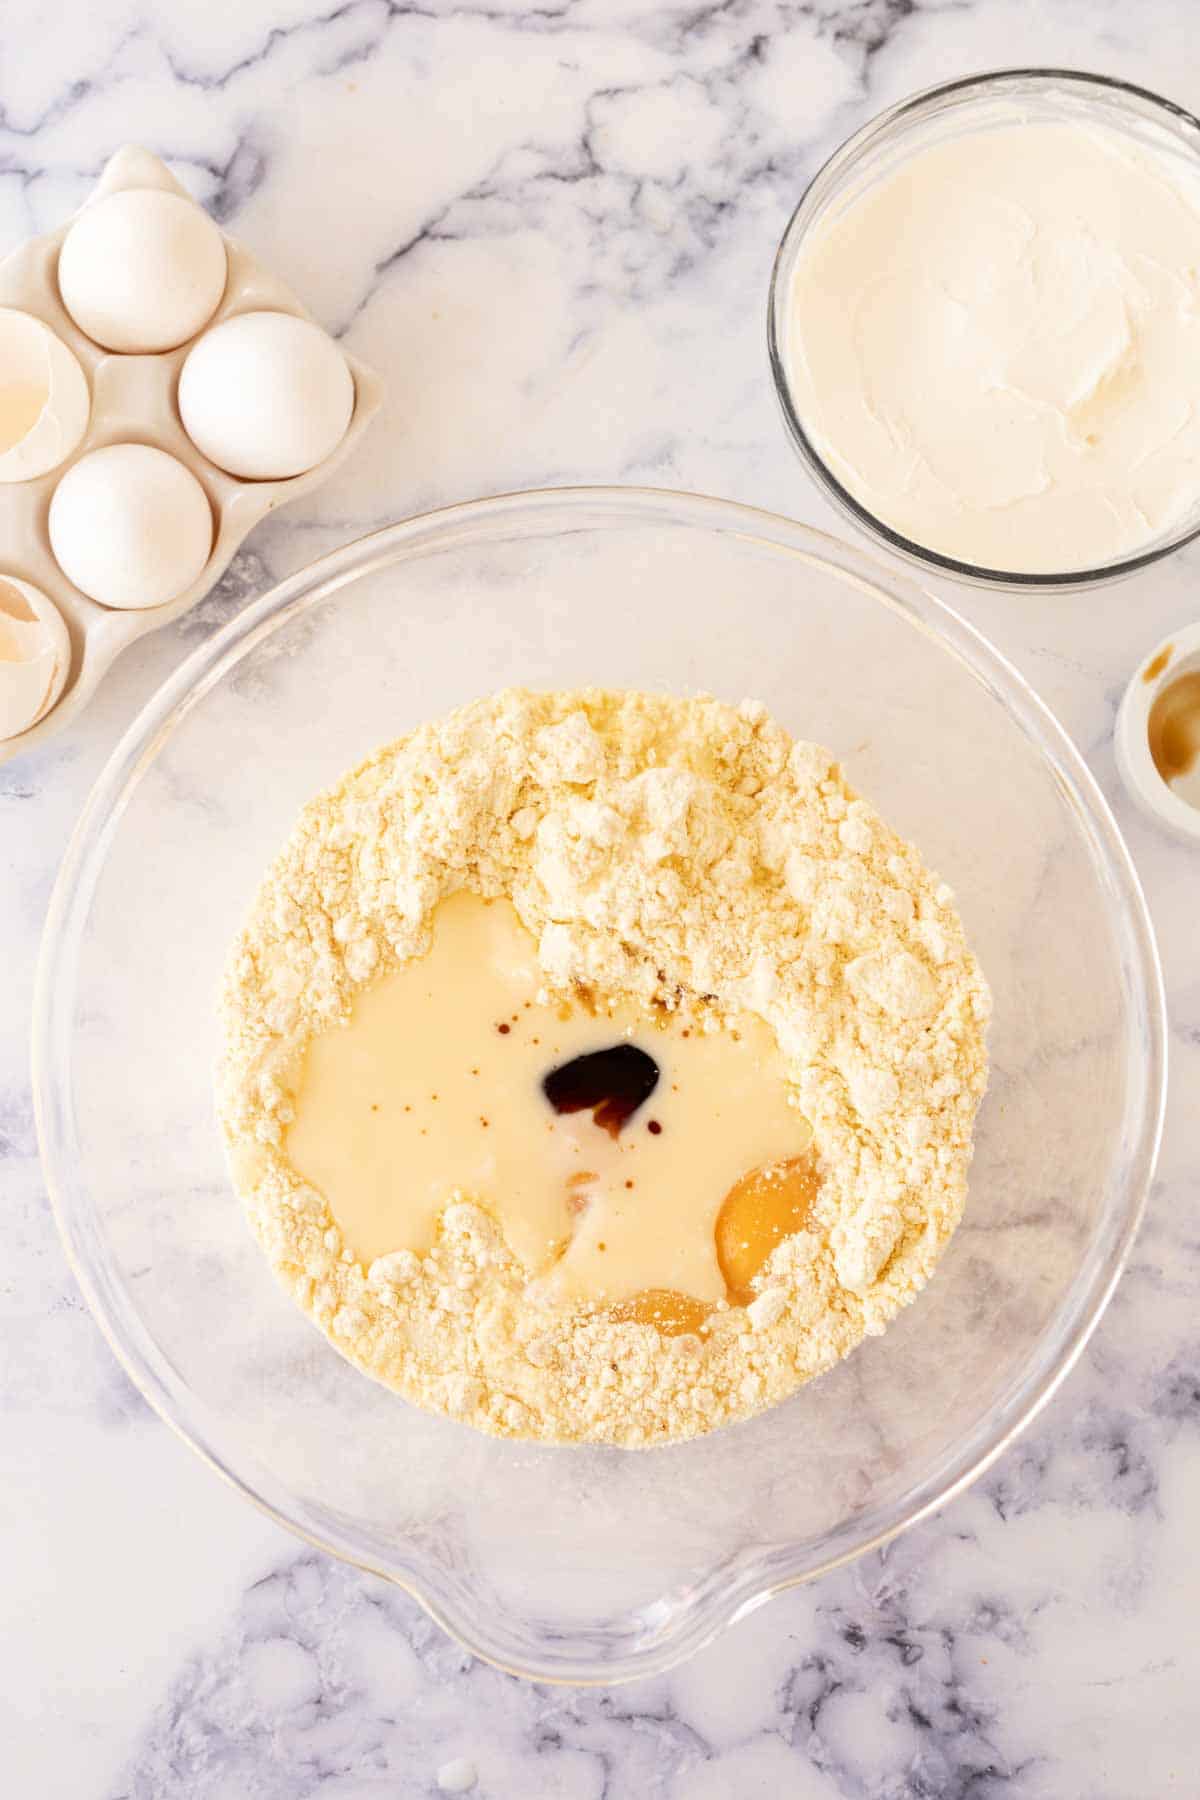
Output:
x,y
44,400
130,526
35,655
142,270
266,396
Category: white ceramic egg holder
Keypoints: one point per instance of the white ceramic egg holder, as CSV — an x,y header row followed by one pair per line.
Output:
x,y
133,401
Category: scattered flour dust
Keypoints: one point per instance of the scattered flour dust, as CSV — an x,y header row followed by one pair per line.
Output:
x,y
652,846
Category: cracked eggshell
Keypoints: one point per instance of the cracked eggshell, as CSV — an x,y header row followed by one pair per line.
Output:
x,y
131,526
142,270
35,655
44,399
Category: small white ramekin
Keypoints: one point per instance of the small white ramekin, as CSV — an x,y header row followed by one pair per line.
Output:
x,y
1176,655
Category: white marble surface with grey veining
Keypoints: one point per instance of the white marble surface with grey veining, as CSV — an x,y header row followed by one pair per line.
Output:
x,y
550,226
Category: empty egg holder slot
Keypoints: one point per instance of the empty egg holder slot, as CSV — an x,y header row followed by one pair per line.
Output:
x,y
133,401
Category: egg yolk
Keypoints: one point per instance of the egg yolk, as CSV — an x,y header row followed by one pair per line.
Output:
x,y
758,1212
767,1205
669,1312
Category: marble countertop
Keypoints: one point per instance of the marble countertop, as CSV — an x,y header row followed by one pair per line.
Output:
x,y
550,228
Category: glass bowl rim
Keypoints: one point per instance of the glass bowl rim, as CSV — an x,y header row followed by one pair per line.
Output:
x,y
979,85
727,1594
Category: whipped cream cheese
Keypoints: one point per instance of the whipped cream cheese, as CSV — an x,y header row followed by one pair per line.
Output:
x,y
996,347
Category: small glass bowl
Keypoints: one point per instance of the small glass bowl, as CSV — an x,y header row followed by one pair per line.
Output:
x,y
975,104
590,1563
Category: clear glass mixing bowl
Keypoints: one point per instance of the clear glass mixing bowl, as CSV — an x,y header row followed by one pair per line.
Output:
x,y
594,1564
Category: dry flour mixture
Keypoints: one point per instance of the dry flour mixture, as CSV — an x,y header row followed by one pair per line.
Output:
x,y
599,1067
